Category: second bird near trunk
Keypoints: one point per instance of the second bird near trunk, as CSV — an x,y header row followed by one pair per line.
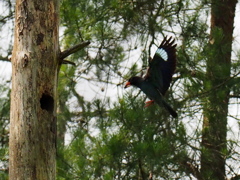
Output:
x,y
159,75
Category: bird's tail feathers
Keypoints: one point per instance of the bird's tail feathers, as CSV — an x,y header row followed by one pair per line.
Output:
x,y
168,108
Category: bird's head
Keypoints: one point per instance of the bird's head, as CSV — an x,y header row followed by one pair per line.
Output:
x,y
135,81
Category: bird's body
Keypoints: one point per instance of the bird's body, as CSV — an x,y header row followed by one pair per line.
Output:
x,y
159,75
147,87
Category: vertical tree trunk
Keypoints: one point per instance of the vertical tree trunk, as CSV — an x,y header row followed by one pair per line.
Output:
x,y
34,84
214,147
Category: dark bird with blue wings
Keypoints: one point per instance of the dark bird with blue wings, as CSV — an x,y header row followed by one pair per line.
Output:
x,y
159,75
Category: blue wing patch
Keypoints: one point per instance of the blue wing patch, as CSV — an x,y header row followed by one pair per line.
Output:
x,y
162,54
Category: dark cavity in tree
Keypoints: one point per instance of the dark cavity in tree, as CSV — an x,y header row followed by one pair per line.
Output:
x,y
47,102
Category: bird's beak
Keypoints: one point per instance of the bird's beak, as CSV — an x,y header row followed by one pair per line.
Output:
x,y
127,85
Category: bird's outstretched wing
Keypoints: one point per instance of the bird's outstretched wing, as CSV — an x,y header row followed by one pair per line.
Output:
x,y
163,65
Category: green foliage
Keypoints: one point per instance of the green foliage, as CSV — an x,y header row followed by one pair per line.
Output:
x,y
116,138
127,138
4,122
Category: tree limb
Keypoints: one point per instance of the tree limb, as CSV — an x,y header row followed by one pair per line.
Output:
x,y
234,96
73,49
235,177
5,58
68,62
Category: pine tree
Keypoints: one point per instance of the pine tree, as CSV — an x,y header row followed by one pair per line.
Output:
x,y
216,102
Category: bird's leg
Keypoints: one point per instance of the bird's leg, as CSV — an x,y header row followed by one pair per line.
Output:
x,y
149,103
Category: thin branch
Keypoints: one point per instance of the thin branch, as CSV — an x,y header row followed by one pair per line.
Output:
x,y
6,58
234,96
73,49
68,62
235,177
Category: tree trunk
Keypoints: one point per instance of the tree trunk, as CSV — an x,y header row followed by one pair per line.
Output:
x,y
34,83
214,137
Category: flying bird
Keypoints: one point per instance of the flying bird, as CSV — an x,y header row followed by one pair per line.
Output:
x,y
159,75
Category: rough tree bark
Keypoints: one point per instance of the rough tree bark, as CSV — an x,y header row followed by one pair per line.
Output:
x,y
35,64
214,137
